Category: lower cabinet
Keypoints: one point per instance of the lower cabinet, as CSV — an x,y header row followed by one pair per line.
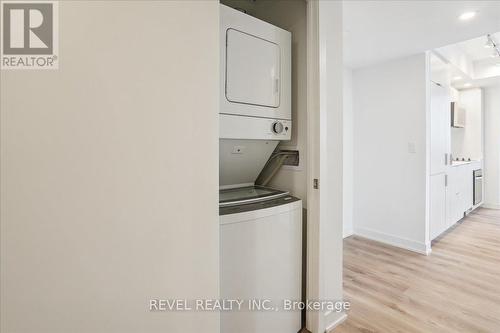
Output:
x,y
438,208
451,196
459,192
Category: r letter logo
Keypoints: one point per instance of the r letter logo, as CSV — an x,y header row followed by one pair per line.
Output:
x,y
29,35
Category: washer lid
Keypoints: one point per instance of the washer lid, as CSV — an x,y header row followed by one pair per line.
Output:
x,y
288,200
247,195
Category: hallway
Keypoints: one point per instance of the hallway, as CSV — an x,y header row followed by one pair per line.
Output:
x,y
455,289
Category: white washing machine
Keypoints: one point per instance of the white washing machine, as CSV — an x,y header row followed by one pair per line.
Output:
x,y
261,259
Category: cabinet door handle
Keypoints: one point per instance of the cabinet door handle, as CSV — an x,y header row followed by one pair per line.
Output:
x,y
446,159
445,180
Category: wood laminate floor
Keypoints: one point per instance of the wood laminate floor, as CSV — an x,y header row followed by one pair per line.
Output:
x,y
455,289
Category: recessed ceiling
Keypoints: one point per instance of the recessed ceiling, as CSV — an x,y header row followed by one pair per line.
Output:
x,y
377,31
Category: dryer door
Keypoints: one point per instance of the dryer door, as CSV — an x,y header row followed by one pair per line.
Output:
x,y
252,70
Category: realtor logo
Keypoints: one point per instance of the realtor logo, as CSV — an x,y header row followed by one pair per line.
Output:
x,y
29,35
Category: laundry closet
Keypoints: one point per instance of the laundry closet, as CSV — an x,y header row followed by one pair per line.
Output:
x,y
261,165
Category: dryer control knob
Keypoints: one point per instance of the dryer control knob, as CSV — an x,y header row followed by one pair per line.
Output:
x,y
277,127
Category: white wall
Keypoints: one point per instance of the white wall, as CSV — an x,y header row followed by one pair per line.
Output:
x,y
348,154
104,204
492,147
389,103
467,142
293,179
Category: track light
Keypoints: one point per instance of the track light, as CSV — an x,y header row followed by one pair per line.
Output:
x,y
490,43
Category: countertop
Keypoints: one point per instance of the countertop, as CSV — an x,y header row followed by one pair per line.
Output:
x,y
458,163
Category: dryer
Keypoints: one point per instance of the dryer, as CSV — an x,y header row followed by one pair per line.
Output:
x,y
255,101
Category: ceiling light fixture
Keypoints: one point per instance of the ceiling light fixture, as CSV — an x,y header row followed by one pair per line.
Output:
x,y
456,78
490,43
467,85
467,16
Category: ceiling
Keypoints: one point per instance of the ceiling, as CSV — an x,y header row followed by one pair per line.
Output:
x,y
475,49
376,31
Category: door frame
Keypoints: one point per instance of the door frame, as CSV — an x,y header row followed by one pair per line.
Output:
x,y
324,161
313,282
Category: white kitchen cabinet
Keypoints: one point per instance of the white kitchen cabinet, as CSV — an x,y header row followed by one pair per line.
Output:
x,y
439,158
453,197
440,128
450,198
459,192
450,185
438,223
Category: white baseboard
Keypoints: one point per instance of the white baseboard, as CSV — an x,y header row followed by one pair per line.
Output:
x,y
347,233
330,327
490,205
404,243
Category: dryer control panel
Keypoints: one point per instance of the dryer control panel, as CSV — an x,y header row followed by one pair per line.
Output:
x,y
278,127
237,127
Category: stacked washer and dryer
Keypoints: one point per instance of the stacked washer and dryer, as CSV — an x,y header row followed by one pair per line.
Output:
x,y
260,227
